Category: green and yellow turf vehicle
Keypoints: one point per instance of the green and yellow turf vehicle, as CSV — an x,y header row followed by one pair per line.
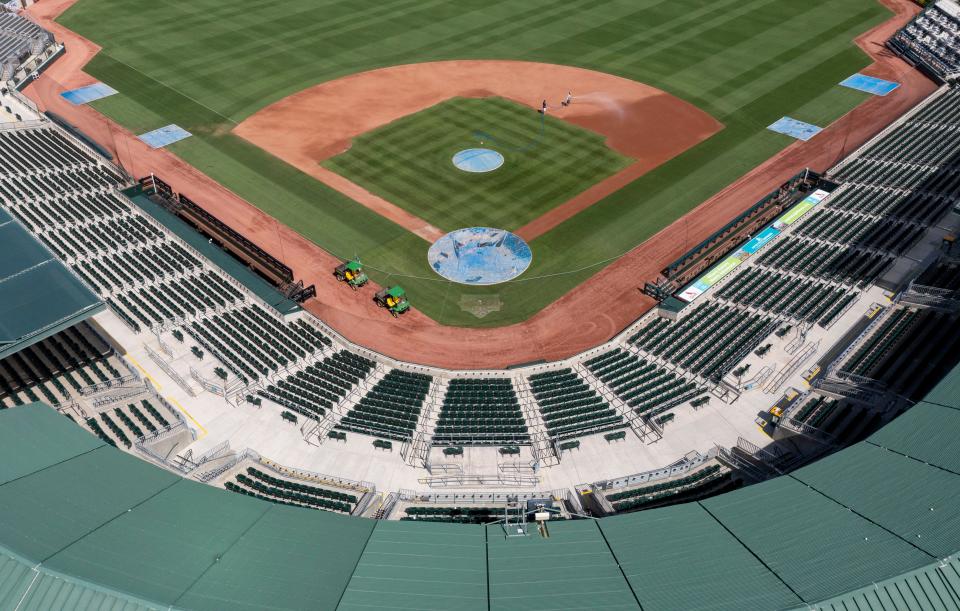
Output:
x,y
352,273
394,299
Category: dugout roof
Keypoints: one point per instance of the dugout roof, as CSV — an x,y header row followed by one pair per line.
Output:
x,y
875,526
39,296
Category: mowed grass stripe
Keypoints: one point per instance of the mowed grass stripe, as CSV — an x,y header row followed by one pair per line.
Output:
x,y
647,41
722,34
692,41
730,56
795,60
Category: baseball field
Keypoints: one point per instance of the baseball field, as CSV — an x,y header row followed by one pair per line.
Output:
x,y
208,66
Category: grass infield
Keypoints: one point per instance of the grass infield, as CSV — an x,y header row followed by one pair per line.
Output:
x,y
207,64
546,162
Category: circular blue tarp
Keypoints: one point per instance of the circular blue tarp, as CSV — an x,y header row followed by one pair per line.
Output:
x,y
478,160
480,256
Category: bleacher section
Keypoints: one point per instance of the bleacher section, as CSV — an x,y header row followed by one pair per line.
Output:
x,y
19,39
151,280
708,341
909,351
780,293
316,388
892,192
569,406
481,412
57,368
647,388
248,340
123,424
391,408
933,38
943,275
902,184
455,515
845,422
822,260
267,486
712,479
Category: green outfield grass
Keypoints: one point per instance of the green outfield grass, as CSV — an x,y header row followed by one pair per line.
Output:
x,y
546,162
208,64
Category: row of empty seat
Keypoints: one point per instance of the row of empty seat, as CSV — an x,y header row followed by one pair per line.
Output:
x,y
391,408
644,386
481,412
19,39
708,341
908,351
57,368
570,407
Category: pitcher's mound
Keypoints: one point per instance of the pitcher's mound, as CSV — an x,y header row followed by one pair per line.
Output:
x,y
478,160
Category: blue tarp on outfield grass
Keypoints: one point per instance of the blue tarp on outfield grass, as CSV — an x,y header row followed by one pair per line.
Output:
x,y
90,93
870,84
795,129
160,138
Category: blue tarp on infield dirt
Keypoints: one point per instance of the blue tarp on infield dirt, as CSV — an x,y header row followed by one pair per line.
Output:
x,y
90,93
869,84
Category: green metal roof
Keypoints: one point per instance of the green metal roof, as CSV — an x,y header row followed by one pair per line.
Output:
x,y
935,587
34,437
26,587
68,503
928,432
289,559
728,575
421,565
573,569
816,546
39,296
874,526
921,511
947,392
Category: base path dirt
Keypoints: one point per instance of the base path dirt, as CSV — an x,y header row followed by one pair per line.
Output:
x,y
637,120
589,315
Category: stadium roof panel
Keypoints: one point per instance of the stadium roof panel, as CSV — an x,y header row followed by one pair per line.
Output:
x,y
289,559
32,439
927,432
39,296
25,586
935,587
947,392
858,478
421,565
651,545
164,545
573,569
54,507
817,546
